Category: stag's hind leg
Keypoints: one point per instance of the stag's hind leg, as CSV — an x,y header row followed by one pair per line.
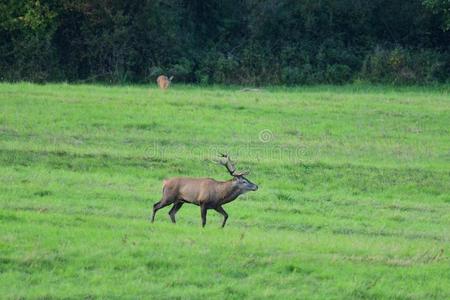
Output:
x,y
176,206
165,201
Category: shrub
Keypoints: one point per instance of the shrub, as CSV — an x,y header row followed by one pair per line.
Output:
x,y
404,66
338,74
182,71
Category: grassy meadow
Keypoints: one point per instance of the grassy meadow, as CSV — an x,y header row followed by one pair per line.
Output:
x,y
354,198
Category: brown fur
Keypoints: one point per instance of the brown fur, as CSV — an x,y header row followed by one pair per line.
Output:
x,y
163,82
204,192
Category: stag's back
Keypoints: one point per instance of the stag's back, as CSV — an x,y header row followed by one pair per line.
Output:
x,y
194,190
163,81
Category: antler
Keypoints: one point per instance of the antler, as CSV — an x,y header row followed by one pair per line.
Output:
x,y
230,166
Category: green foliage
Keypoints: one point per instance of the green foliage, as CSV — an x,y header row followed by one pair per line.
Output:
x,y
243,42
26,50
440,8
402,66
354,198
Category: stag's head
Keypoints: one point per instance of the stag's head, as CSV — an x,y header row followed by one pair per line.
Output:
x,y
239,179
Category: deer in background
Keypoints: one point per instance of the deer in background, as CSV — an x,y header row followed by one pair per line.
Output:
x,y
163,81
204,192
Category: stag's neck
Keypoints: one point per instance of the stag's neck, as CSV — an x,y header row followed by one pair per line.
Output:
x,y
229,192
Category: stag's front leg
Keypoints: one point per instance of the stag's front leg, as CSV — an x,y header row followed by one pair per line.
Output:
x,y
203,212
221,211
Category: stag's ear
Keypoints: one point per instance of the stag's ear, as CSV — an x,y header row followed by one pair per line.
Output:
x,y
235,178
170,78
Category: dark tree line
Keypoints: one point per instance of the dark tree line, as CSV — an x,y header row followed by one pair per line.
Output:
x,y
239,41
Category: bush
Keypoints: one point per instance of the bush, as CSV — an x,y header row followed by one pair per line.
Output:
x,y
26,49
225,69
298,75
243,42
182,71
404,66
338,74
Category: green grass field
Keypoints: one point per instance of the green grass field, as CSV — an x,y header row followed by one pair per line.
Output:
x,y
354,198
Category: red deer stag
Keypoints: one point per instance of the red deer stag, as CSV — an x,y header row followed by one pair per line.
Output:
x,y
204,192
163,81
